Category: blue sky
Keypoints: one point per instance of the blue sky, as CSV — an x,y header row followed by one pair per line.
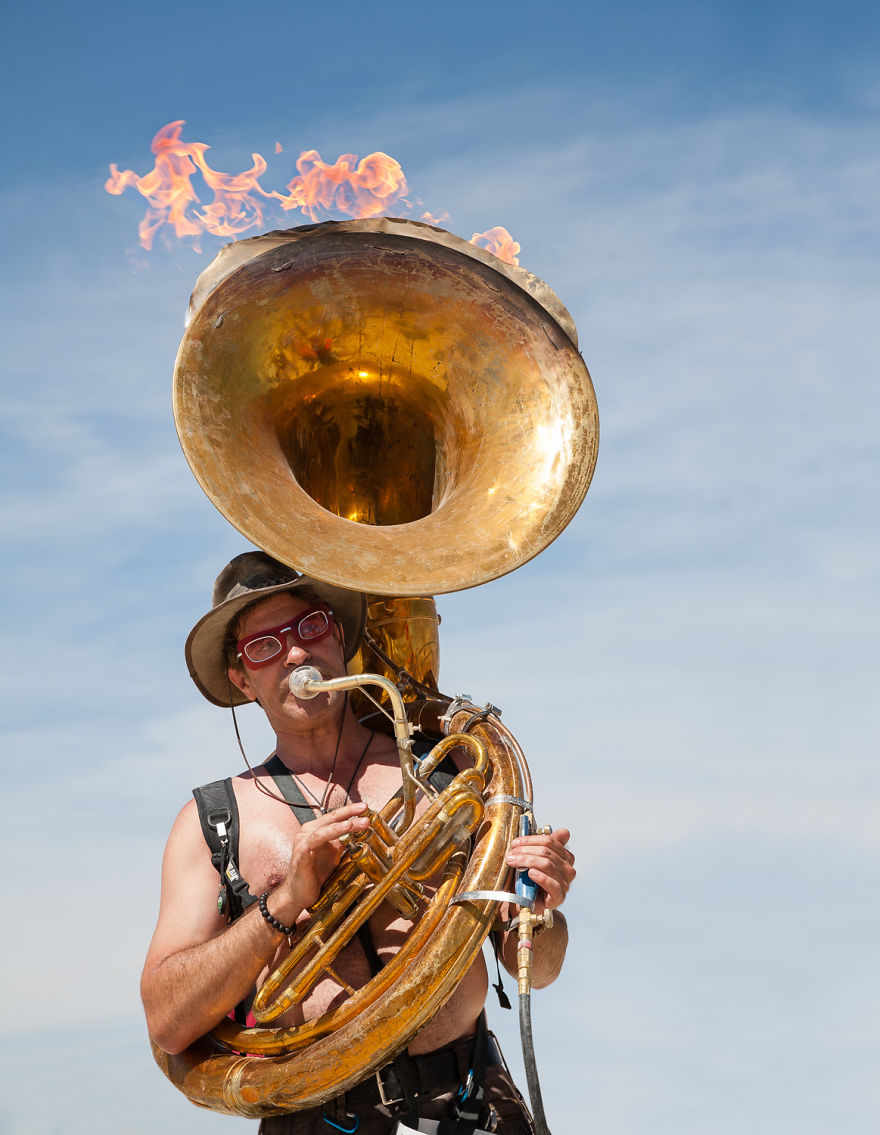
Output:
x,y
699,184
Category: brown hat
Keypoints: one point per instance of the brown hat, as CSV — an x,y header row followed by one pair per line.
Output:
x,y
247,579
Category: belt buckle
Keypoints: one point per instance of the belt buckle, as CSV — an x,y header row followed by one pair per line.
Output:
x,y
386,1102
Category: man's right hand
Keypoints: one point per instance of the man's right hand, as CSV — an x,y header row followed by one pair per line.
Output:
x,y
316,851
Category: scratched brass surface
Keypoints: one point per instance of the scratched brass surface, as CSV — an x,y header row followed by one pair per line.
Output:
x,y
380,405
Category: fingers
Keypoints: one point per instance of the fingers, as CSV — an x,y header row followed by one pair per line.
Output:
x,y
342,821
316,851
322,836
548,861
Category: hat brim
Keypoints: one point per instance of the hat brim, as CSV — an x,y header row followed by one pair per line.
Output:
x,y
205,656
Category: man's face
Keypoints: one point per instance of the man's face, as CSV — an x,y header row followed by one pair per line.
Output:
x,y
268,684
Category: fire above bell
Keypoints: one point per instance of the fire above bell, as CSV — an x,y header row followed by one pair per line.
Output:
x,y
384,406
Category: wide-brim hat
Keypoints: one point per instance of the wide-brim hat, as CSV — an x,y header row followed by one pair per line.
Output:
x,y
248,578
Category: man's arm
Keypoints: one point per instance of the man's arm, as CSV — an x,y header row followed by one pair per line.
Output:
x,y
551,865
198,968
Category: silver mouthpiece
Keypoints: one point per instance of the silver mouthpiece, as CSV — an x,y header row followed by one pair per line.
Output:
x,y
300,682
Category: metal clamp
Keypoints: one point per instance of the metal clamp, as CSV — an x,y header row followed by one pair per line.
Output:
x,y
494,896
526,805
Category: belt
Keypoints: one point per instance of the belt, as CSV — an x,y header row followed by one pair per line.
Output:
x,y
431,1070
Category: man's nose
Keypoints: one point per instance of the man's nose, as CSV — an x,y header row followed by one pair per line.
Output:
x,y
296,652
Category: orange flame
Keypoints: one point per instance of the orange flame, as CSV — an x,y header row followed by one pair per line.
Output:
x,y
365,187
357,188
171,198
500,242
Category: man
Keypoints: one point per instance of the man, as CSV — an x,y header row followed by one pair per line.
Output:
x,y
267,620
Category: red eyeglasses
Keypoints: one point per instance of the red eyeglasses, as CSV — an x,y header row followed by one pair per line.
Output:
x,y
256,650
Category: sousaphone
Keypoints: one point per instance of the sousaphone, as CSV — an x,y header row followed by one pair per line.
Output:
x,y
386,407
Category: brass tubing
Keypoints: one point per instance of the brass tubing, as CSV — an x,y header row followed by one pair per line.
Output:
x,y
269,1004
451,741
375,864
447,830
306,682
421,982
279,1041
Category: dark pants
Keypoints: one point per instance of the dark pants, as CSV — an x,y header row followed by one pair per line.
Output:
x,y
502,1109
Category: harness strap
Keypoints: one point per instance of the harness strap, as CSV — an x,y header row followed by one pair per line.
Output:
x,y
290,790
218,816
465,1110
406,1107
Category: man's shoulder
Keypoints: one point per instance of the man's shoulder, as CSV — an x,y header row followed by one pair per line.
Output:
x,y
236,778
213,792
207,795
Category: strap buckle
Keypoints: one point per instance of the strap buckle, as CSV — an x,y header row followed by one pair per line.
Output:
x,y
383,1096
219,820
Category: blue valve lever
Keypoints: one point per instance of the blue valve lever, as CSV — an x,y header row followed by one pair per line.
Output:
x,y
526,890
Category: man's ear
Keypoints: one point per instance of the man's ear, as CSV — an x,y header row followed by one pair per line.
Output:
x,y
240,679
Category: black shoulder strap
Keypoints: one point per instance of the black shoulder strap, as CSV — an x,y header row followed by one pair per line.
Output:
x,y
290,790
218,815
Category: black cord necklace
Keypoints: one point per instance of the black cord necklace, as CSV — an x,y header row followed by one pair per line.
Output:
x,y
323,801
321,804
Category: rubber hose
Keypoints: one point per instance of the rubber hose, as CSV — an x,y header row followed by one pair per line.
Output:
x,y
528,1050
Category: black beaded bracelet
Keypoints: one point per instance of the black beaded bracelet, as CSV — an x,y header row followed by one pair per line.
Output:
x,y
264,910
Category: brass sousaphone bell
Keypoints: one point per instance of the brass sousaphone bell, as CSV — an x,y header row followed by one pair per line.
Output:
x,y
386,407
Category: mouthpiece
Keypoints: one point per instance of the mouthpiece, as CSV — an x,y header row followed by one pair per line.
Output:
x,y
300,682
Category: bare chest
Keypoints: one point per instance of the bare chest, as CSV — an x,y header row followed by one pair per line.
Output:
x,y
268,826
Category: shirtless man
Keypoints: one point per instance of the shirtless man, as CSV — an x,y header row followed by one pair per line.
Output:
x,y
200,966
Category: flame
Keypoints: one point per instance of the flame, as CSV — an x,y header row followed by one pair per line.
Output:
x,y
500,242
171,198
362,188
365,187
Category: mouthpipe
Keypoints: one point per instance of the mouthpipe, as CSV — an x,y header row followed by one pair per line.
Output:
x,y
306,682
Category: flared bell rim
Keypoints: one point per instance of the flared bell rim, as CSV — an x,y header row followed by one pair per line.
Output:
x,y
507,503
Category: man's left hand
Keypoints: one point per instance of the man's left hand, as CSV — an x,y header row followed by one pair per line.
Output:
x,y
549,863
